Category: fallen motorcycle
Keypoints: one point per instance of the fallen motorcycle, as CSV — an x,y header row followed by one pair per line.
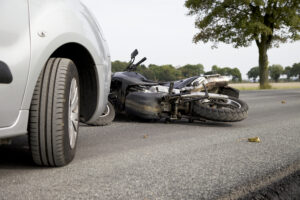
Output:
x,y
196,98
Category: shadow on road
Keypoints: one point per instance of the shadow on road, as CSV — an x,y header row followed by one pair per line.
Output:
x,y
201,123
16,155
126,119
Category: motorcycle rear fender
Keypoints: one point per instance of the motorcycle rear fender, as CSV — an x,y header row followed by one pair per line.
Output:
x,y
229,91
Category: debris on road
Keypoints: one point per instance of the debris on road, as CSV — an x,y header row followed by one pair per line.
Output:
x,y
145,136
283,102
255,139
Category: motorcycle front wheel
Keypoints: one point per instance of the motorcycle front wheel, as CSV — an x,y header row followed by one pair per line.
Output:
x,y
222,110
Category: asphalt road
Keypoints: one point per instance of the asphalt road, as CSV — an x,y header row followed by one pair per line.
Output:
x,y
135,160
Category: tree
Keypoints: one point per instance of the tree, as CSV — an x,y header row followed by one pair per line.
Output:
x,y
142,69
267,22
226,71
163,73
296,70
216,70
288,72
118,66
253,73
275,72
153,72
168,73
236,75
191,70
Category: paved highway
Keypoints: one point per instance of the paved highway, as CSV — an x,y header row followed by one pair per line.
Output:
x,y
136,160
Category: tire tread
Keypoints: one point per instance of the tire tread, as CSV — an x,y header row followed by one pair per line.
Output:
x,y
221,115
47,112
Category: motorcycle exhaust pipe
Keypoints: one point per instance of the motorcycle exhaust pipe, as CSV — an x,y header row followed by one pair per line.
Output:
x,y
210,83
204,95
213,82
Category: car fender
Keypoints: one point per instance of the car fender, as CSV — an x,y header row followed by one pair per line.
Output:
x,y
54,23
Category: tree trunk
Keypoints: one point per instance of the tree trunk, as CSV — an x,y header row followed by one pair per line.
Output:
x,y
263,66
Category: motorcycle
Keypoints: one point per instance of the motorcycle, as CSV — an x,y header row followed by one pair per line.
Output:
x,y
196,98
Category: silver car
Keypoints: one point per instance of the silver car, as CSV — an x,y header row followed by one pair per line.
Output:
x,y
55,71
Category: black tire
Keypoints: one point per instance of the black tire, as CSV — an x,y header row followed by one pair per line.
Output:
x,y
107,118
221,114
49,119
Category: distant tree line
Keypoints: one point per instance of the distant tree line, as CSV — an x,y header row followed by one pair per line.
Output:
x,y
276,71
171,73
226,71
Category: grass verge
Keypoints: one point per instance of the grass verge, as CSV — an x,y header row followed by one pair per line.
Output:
x,y
275,86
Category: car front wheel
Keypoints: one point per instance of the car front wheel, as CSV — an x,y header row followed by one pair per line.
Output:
x,y
54,114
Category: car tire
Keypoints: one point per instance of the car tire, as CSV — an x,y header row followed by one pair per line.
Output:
x,y
107,117
54,114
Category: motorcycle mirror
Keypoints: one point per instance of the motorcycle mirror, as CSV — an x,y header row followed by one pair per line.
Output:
x,y
134,54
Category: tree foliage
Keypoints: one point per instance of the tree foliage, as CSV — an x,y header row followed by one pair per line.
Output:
x,y
170,73
152,72
296,70
118,66
191,70
226,71
165,73
288,72
236,75
253,73
239,22
275,72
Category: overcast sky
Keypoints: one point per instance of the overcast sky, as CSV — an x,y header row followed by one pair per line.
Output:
x,y
161,31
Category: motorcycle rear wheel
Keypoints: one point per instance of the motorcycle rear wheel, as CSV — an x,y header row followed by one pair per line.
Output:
x,y
233,110
107,118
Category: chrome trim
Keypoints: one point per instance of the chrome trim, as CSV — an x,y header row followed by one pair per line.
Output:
x,y
203,94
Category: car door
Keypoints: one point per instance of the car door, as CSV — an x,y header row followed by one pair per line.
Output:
x,y
14,58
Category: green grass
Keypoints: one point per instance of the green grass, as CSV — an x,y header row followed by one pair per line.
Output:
x,y
245,88
274,86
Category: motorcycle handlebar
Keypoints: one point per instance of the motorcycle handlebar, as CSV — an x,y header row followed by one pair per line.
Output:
x,y
131,66
141,61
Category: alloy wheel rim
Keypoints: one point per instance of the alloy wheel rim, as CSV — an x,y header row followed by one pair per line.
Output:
x,y
234,103
230,104
73,113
